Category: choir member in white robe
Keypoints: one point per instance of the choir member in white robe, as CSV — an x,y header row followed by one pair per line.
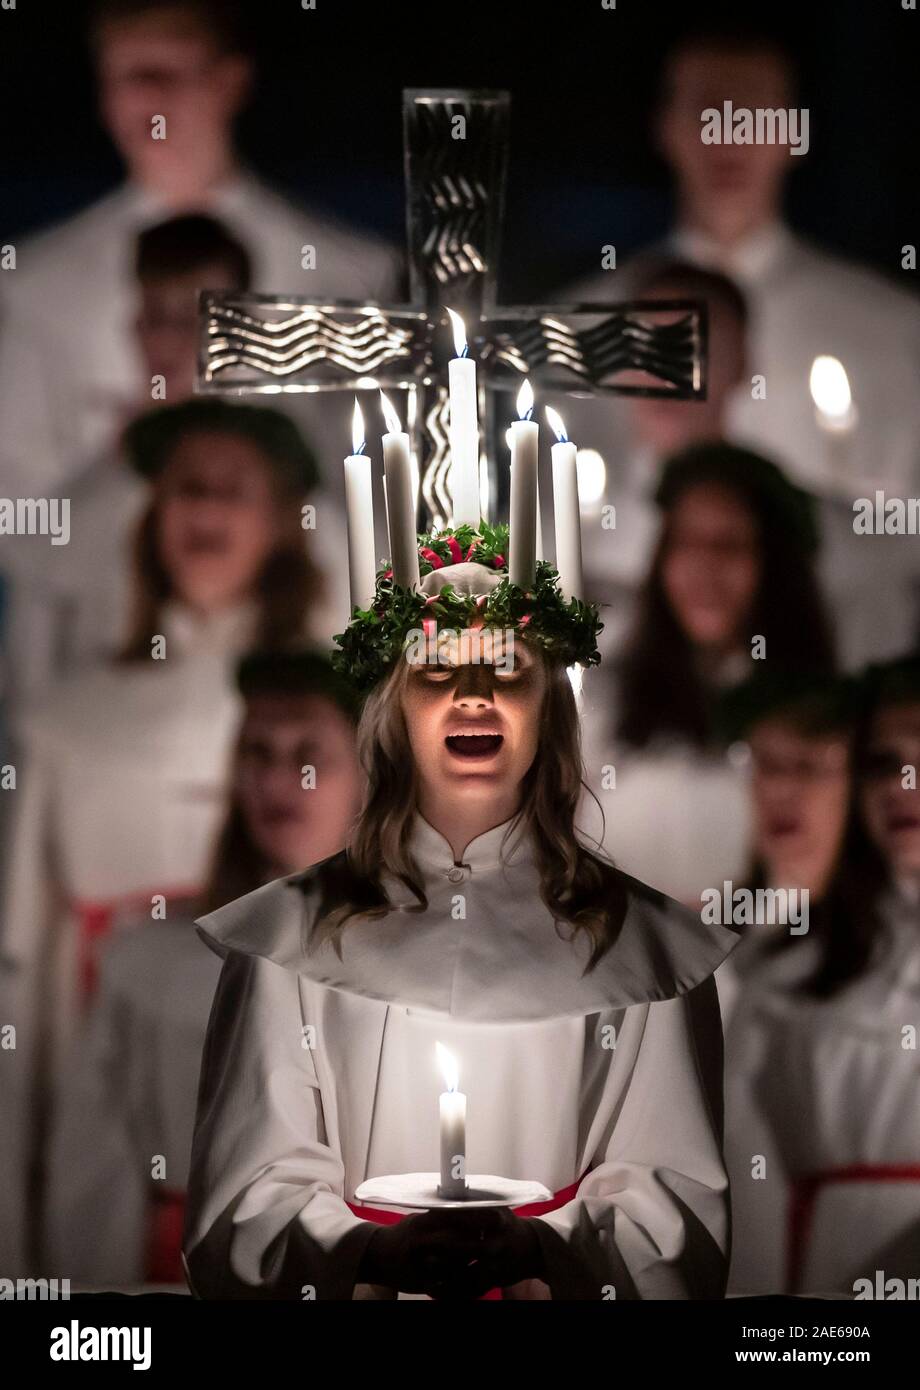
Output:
x,y
822,1126
70,605
730,584
69,368
319,1063
120,1151
797,731
804,301
122,770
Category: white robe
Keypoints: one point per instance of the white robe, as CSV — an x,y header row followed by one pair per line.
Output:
x,y
121,786
318,1074
816,1087
69,363
672,815
128,1100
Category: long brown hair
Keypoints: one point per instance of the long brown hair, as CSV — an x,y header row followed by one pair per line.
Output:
x,y
577,887
289,585
661,689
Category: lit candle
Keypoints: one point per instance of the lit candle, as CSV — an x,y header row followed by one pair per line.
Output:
x,y
400,499
359,511
525,438
453,1127
464,430
565,506
835,413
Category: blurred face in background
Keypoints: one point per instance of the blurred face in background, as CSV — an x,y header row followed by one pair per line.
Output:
x,y
890,808
166,64
168,325
801,791
474,727
711,567
218,518
292,823
726,190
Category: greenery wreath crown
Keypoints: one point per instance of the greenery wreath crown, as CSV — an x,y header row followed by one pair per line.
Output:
x,y
566,629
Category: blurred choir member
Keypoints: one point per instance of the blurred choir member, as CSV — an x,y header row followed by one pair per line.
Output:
x,y
69,365
822,1122
804,302
731,583
120,1153
71,604
798,733
123,771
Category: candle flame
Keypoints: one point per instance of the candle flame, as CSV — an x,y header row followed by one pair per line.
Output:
x,y
525,401
592,476
389,414
357,430
459,327
556,425
449,1067
830,387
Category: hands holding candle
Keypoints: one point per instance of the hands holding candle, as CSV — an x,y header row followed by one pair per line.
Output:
x,y
453,1254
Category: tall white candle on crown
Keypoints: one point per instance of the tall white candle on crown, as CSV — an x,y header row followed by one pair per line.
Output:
x,y
565,506
525,440
359,512
464,430
400,498
452,1117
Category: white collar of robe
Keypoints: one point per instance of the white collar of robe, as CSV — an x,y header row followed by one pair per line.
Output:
x,y
486,949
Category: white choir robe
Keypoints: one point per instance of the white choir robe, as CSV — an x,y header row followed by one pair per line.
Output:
x,y
675,816
127,1102
121,787
70,368
320,1073
70,606
826,1090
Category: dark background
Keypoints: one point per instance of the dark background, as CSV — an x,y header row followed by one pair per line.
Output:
x,y
326,120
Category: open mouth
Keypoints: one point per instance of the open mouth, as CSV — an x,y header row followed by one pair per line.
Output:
x,y
474,745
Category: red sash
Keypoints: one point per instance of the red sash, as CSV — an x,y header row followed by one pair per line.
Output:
x,y
805,1189
389,1218
163,1248
94,922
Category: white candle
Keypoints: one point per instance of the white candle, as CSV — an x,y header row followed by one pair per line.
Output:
x,y
400,498
453,1127
835,414
464,430
565,506
525,439
359,511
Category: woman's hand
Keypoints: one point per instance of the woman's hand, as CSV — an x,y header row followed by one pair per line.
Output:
x,y
453,1254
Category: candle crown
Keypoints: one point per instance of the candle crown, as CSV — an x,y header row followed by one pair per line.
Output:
x,y
464,584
